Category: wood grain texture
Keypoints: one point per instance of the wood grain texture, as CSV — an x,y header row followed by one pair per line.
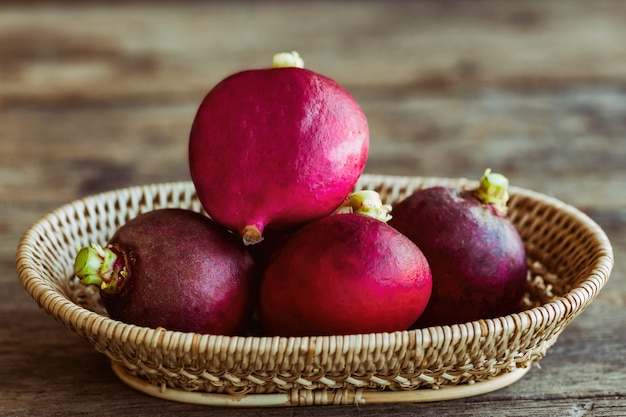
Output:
x,y
97,96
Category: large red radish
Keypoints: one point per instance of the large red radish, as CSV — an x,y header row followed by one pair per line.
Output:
x,y
346,273
276,148
476,255
176,269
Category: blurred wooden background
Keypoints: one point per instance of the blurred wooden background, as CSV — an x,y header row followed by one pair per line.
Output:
x,y
100,95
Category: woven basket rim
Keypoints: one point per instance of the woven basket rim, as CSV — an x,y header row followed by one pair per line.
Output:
x,y
69,313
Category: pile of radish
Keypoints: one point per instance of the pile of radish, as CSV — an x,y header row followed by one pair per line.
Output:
x,y
274,155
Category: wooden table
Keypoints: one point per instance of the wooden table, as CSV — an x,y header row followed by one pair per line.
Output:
x,y
95,97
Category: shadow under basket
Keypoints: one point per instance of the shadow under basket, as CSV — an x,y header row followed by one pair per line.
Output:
x,y
569,257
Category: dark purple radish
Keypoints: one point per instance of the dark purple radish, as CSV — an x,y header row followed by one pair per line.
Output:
x,y
175,269
344,274
264,141
476,255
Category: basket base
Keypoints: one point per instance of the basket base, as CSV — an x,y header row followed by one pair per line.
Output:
x,y
286,400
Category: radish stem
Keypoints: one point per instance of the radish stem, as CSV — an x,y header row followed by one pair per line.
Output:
x,y
104,267
287,59
493,189
251,235
366,203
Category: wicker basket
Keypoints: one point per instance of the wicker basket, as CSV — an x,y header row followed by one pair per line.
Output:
x,y
570,259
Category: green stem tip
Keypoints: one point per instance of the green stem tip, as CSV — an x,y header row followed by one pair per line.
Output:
x,y
106,268
493,189
366,203
287,59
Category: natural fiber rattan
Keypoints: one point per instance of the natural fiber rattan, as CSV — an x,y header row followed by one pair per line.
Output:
x,y
570,259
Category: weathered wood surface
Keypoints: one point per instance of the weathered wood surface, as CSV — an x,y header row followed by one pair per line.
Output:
x,y
95,97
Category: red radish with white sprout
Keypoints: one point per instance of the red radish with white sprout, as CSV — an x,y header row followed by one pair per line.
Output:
x,y
346,273
275,148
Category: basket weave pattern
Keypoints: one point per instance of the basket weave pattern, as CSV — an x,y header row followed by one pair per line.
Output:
x,y
569,256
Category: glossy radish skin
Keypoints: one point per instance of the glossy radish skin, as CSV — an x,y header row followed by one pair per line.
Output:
x,y
276,147
477,257
344,274
178,270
